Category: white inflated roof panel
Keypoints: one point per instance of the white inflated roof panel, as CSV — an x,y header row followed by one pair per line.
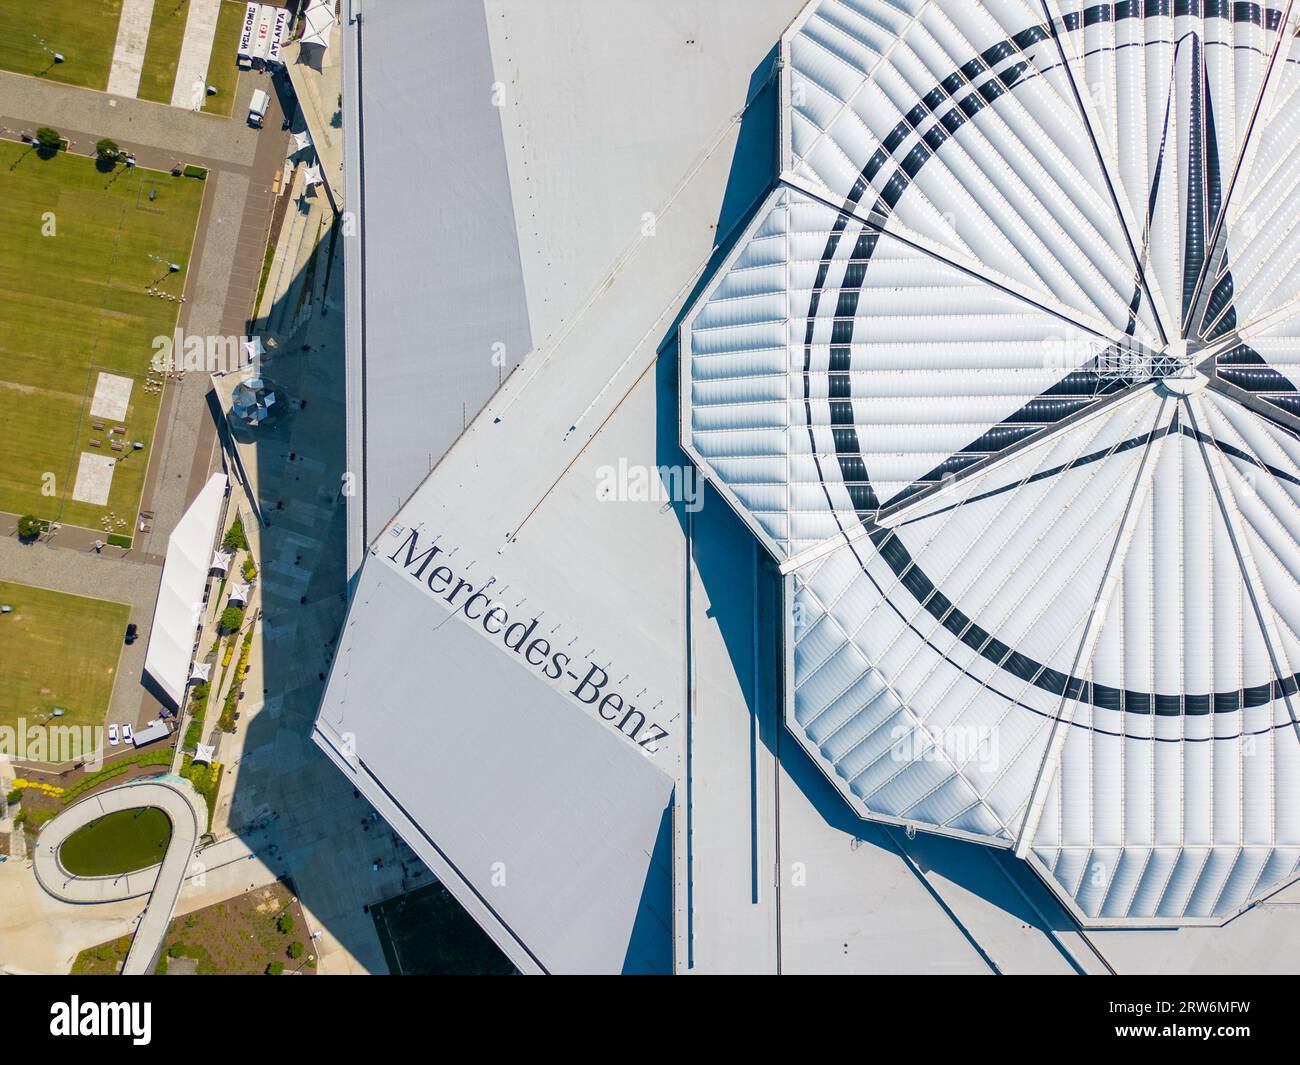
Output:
x,y
1001,372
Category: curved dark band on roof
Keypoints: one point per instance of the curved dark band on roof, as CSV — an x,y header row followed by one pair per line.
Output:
x,y
852,465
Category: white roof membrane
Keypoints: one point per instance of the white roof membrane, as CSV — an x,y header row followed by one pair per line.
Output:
x,y
549,829
1002,374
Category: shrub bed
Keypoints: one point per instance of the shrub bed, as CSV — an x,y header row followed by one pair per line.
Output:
x,y
144,758
229,711
205,779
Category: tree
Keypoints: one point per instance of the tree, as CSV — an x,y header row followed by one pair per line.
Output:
x,y
231,618
275,968
249,569
235,540
29,528
107,153
48,141
284,923
295,950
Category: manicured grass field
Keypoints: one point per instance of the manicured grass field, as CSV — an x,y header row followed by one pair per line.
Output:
x,y
222,71
58,650
82,31
120,842
166,31
73,304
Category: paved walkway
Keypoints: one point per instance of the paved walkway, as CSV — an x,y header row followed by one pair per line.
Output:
x,y
186,811
190,87
318,96
128,52
158,135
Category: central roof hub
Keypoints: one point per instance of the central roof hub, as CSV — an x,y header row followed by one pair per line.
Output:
x,y
1177,362
1179,350
1183,384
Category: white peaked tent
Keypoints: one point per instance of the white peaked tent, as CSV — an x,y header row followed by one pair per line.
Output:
x,y
317,23
311,176
221,560
204,753
180,593
200,671
1035,491
301,141
239,593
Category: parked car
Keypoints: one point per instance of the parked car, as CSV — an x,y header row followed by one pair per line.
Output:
x,y
127,734
131,632
112,735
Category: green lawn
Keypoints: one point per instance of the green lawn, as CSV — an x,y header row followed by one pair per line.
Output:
x,y
166,31
83,31
222,71
120,842
58,650
73,304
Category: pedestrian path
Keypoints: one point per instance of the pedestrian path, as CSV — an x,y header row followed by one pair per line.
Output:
x,y
162,883
190,87
128,52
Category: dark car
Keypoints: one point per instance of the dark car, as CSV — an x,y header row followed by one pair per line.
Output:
x,y
131,631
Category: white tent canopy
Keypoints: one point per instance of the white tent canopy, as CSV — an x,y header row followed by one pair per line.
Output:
x,y
180,595
221,560
318,22
200,670
204,753
239,593
301,141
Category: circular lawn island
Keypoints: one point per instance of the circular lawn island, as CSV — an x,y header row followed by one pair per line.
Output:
x,y
120,842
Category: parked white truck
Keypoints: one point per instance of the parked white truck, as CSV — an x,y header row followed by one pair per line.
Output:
x,y
257,108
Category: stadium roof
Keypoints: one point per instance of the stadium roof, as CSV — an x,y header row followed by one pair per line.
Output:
x,y
549,827
1001,374
425,219
478,753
